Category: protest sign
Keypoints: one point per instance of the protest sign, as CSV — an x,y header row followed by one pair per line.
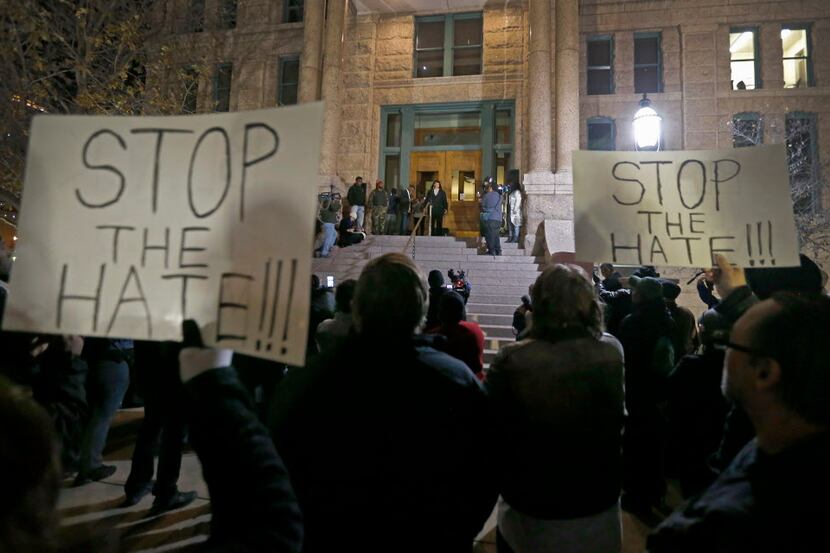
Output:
x,y
131,224
681,208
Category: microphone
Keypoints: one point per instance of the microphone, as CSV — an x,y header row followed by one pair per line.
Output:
x,y
697,274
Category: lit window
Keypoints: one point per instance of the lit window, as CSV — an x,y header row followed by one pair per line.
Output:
x,y
743,53
289,81
600,65
648,63
795,42
222,87
601,134
292,11
747,130
448,45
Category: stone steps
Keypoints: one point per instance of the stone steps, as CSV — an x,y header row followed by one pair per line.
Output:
x,y
498,282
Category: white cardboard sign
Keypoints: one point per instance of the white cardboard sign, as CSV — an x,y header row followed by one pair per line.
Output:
x,y
131,224
680,208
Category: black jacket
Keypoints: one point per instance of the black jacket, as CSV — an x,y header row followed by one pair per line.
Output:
x,y
254,509
760,504
376,443
438,202
357,194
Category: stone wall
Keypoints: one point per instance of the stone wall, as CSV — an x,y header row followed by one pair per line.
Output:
x,y
698,103
378,71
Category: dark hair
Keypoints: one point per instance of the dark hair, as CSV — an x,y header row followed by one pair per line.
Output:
x,y
29,473
564,304
344,294
390,297
796,335
607,266
315,282
451,308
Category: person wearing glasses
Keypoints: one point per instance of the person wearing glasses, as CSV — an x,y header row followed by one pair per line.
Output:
x,y
773,495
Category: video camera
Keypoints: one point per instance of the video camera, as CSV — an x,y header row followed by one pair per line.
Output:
x,y
459,284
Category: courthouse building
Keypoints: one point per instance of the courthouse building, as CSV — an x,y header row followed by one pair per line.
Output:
x,y
462,89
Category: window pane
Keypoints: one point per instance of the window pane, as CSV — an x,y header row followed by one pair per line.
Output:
x,y
600,136
503,134
799,132
393,172
429,34
794,42
466,61
467,32
743,75
190,83
742,45
502,166
430,64
195,22
646,50
293,11
795,73
288,94
599,81
290,71
646,79
227,14
447,129
599,52
746,133
393,130
222,91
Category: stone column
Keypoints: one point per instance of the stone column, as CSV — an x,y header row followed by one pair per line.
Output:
x,y
333,60
538,67
312,46
567,88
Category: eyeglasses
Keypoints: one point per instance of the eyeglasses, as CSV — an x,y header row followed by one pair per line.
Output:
x,y
724,343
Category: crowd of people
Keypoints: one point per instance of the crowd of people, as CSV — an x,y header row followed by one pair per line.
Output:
x,y
401,211
394,437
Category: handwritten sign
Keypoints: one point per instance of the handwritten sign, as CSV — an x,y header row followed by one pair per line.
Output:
x,y
681,208
131,224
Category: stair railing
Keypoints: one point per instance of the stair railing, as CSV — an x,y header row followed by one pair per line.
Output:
x,y
412,241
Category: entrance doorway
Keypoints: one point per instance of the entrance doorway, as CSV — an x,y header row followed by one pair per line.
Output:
x,y
460,174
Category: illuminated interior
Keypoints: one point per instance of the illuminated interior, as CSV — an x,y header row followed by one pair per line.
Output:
x,y
742,54
794,44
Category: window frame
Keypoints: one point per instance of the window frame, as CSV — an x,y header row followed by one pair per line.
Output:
x,y
216,73
808,35
281,84
610,68
191,95
749,116
449,46
196,16
659,65
601,120
756,48
288,10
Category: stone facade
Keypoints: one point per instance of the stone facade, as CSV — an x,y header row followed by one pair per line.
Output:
x,y
698,103
380,67
377,53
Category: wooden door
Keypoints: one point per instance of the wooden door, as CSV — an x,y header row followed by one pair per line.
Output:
x,y
463,174
459,172
426,166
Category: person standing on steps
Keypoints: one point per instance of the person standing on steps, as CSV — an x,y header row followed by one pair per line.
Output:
x,y
404,205
357,201
491,218
437,198
515,212
378,203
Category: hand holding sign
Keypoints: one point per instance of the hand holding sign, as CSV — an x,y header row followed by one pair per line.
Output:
x,y
683,208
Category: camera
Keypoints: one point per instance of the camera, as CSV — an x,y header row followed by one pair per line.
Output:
x,y
459,283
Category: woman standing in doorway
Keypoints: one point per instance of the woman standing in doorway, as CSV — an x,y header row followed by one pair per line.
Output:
x,y
437,198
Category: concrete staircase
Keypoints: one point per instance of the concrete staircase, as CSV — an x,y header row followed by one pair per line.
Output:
x,y
498,282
